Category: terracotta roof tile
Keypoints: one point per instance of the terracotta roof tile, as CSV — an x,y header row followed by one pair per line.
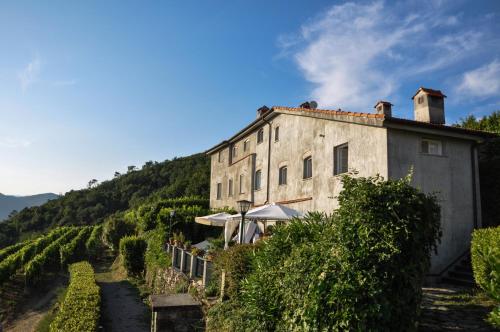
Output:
x,y
332,112
432,92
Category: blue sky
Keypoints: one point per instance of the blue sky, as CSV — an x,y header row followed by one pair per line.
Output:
x,y
89,88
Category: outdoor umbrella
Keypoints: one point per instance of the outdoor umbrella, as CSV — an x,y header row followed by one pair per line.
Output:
x,y
217,219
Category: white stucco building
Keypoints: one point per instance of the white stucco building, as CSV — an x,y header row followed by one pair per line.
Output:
x,y
294,156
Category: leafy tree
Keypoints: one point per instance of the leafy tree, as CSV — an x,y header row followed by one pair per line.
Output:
x,y
115,228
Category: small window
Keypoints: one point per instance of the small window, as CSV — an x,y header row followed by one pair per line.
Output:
x,y
219,190
307,168
245,145
276,134
282,175
230,188
260,136
219,156
341,159
242,184
258,180
430,146
234,152
420,100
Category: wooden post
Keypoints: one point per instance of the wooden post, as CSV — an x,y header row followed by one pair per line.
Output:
x,y
222,284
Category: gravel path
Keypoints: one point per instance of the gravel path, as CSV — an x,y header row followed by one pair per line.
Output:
x,y
450,308
122,308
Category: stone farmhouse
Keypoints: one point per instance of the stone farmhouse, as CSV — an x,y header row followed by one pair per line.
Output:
x,y
295,156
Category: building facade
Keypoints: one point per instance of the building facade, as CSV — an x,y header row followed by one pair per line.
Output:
x,y
296,156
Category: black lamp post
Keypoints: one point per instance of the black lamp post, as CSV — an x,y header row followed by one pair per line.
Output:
x,y
172,215
244,206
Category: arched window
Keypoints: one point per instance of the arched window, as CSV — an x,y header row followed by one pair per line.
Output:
x,y
260,135
258,179
307,168
282,175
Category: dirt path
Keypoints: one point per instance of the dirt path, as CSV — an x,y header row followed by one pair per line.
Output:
x,y
122,308
39,303
450,308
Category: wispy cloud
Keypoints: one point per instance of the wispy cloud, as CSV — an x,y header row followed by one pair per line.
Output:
x,y
482,82
13,143
29,74
357,53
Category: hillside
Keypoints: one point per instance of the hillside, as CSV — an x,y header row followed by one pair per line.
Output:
x,y
171,178
10,203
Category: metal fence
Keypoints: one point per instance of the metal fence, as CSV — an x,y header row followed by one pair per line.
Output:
x,y
194,267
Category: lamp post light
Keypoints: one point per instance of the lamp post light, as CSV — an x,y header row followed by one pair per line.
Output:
x,y
172,215
244,206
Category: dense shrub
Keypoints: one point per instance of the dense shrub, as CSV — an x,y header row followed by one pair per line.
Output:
x,y
80,310
75,250
132,250
156,257
485,254
361,268
115,228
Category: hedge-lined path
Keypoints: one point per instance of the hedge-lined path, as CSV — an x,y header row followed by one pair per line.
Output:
x,y
122,308
451,308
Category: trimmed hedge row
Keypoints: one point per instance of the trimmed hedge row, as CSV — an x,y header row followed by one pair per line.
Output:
x,y
7,251
15,261
48,259
94,242
80,310
75,250
132,250
485,255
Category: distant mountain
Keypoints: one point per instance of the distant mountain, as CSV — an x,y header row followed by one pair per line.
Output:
x,y
11,203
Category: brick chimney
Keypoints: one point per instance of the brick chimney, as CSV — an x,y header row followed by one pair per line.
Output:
x,y
428,106
262,111
384,107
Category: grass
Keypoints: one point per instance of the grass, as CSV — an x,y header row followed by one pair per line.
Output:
x,y
44,324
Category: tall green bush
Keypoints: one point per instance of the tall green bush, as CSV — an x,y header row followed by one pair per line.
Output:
x,y
132,250
361,268
485,255
117,227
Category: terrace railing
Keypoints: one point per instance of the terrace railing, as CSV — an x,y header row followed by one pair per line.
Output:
x,y
194,267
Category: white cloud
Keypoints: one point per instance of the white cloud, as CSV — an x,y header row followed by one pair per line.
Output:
x,y
482,82
355,54
13,143
30,73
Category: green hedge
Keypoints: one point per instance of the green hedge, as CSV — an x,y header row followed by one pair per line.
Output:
x,y
485,255
80,310
132,250
360,269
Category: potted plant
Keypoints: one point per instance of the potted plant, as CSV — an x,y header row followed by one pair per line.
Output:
x,y
195,251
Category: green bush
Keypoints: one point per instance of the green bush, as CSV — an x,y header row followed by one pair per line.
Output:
x,y
132,250
361,268
80,310
115,228
485,255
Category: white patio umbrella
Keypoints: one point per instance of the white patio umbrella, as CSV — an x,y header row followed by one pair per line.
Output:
x,y
269,212
217,219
